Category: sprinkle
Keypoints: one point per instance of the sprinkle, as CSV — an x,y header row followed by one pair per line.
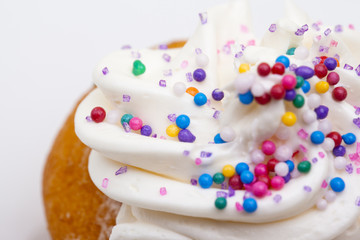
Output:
x,y
244,28
163,137
105,70
293,67
162,83
226,49
316,60
121,170
240,208
324,184
333,43
126,98
184,64
204,154
323,49
327,32
357,201
105,183
166,57
302,148
168,72
316,26
351,26
163,191
126,47
239,55
224,185
126,127
248,194
203,17
277,198
198,51
189,77
305,27
163,46
231,192
172,117
307,189
216,114
272,28
198,161
357,70
135,54
356,121
299,32
358,170
186,153
318,38
349,168
348,67
88,118
251,42
338,28
302,133
193,182
321,154
154,135
314,160
337,57
221,194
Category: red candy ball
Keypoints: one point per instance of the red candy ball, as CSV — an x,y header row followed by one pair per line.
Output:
x,y
339,94
323,59
263,69
271,164
278,68
336,137
263,99
333,78
277,91
98,114
320,70
265,179
235,182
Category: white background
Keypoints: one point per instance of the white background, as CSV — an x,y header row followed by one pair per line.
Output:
x,y
47,52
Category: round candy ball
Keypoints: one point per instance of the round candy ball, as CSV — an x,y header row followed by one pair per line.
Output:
x,y
98,114
250,205
218,139
290,164
220,203
299,82
240,167
247,177
321,111
182,121
330,63
301,53
246,98
271,164
260,169
265,179
135,123
228,170
333,78
244,67
290,95
205,180
259,189
218,178
263,99
309,116
349,138
217,94
179,88
330,196
298,101
281,169
227,134
200,99
305,72
146,130
277,182
268,147
278,68
320,70
263,69
340,163
313,100
257,156
337,184
186,136
339,94
304,167
336,137
202,60
289,119
199,75
321,204
284,60
277,91
289,82
339,151
235,182
306,87
172,130
317,137
126,118
322,87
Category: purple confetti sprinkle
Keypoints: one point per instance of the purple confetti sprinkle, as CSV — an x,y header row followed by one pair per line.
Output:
x,y
248,195
299,32
357,110
323,49
356,121
154,135
163,46
307,189
277,198
231,192
316,26
239,55
88,118
121,170
126,47
204,154
314,160
135,54
162,83
348,67
193,181
216,114
105,70
166,57
203,17
172,117
168,72
316,60
126,98
272,28
327,32
198,51
293,67
337,57
242,47
305,27
338,28
186,153
357,201
126,127
221,194
357,70
224,185
349,168
226,49
189,76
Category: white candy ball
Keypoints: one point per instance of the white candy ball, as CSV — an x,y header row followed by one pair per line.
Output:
x,y
244,82
257,156
340,163
295,173
283,133
202,60
113,116
321,204
179,88
227,134
313,100
301,53
330,196
328,144
281,169
325,126
283,153
309,116
257,90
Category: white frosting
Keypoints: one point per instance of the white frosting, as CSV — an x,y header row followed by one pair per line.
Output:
x,y
156,164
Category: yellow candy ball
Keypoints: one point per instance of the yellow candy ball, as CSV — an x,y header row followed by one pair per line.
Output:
x,y
172,130
322,87
228,170
288,119
244,67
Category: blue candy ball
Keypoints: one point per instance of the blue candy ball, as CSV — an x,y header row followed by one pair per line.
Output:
x,y
240,167
306,86
182,121
218,139
290,164
200,99
284,60
337,184
246,98
317,137
247,177
205,180
349,138
250,205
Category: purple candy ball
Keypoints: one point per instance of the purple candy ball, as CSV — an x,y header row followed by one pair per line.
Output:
x,y
290,94
186,136
330,63
217,94
146,130
287,178
305,72
321,111
339,151
199,75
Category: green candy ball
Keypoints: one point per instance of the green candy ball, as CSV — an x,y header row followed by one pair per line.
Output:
x,y
138,68
218,178
299,82
220,203
298,101
304,166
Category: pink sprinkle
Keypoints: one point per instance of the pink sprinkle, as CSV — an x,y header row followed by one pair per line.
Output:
x,y
230,42
218,51
321,154
358,170
198,161
318,37
163,191
351,26
302,148
251,42
354,156
184,64
105,183
358,147
304,159
302,133
238,206
162,137
324,184
333,43
244,28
